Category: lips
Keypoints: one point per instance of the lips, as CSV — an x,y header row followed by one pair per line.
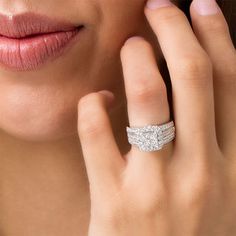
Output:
x,y
28,41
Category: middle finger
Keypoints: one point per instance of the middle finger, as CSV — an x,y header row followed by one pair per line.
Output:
x,y
191,74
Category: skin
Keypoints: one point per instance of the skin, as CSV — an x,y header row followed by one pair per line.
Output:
x,y
191,182
42,147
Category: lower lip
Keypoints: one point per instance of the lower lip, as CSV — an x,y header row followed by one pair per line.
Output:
x,y
32,52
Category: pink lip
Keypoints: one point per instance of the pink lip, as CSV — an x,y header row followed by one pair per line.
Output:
x,y
27,41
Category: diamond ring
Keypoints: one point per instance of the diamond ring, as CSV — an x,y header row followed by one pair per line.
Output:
x,y
151,137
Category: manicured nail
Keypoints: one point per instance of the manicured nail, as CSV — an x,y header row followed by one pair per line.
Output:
x,y
206,7
154,4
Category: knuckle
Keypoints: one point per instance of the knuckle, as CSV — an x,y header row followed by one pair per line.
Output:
x,y
153,204
113,213
110,211
197,66
198,193
110,207
144,92
146,201
149,201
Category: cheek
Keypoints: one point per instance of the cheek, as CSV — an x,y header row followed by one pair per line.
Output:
x,y
121,19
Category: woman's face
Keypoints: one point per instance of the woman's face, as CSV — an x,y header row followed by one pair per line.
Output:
x,y
41,103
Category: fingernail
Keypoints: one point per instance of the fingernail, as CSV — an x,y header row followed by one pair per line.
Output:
x,y
206,7
154,4
134,38
109,96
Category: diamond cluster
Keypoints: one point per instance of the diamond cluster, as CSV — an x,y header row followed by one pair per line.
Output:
x,y
151,137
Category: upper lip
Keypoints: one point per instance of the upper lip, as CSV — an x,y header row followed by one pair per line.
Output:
x,y
30,24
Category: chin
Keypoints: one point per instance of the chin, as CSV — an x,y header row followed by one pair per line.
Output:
x,y
47,131
38,121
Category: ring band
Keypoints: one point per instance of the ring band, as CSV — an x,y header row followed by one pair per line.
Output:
x,y
151,137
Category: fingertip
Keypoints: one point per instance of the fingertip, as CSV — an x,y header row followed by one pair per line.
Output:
x,y
103,98
131,41
109,96
205,7
155,4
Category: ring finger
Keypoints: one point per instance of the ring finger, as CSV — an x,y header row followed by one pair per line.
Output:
x,y
146,95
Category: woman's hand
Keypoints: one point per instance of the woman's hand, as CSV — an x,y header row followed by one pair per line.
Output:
x,y
189,187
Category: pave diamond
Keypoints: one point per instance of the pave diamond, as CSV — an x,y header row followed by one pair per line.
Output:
x,y
151,137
